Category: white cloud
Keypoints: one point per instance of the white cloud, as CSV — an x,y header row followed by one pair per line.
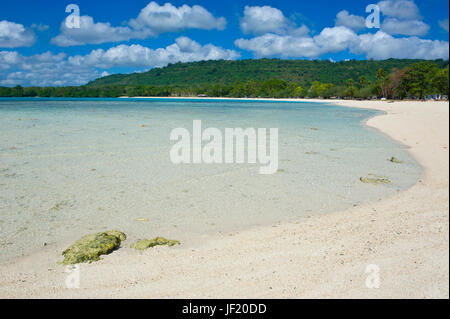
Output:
x,y
404,27
44,77
444,24
14,35
382,46
402,18
91,32
156,19
400,9
338,39
350,21
9,59
183,50
50,69
42,70
261,20
279,36
151,21
266,19
329,40
270,44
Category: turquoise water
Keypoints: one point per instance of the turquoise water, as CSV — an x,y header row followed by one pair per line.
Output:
x,y
71,167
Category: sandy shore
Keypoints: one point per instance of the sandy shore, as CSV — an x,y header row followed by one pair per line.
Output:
x,y
405,235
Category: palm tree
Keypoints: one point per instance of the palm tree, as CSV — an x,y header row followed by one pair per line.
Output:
x,y
362,81
381,77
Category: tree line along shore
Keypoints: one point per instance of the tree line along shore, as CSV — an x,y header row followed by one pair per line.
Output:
x,y
391,79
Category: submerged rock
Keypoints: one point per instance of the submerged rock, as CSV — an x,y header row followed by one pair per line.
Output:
x,y
144,244
395,160
91,247
375,179
60,205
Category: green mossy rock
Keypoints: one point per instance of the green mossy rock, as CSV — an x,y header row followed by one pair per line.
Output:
x,y
144,244
91,247
118,234
375,179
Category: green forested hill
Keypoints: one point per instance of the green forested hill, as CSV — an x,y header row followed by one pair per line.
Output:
x,y
274,78
302,72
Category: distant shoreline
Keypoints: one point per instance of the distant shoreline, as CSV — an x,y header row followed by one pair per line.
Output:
x,y
315,100
312,100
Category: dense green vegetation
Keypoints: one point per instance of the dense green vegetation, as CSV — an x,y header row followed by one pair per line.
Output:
x,y
267,78
301,72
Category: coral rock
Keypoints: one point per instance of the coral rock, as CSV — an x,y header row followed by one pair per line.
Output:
x,y
158,241
91,247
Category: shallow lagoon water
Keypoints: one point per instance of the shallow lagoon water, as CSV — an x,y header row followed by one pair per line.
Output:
x,y
73,167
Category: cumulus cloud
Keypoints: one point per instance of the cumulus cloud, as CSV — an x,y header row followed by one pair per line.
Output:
x,y
183,50
278,36
44,77
338,39
270,44
266,19
329,40
405,27
14,35
261,20
381,46
400,9
151,21
402,18
350,21
156,19
335,39
91,32
42,70
9,59
444,24
58,69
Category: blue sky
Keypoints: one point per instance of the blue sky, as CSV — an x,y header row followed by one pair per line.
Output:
x,y
38,47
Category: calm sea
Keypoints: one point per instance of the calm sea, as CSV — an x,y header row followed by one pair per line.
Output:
x,y
73,167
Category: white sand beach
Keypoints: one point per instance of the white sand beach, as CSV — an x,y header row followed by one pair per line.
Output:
x,y
405,235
